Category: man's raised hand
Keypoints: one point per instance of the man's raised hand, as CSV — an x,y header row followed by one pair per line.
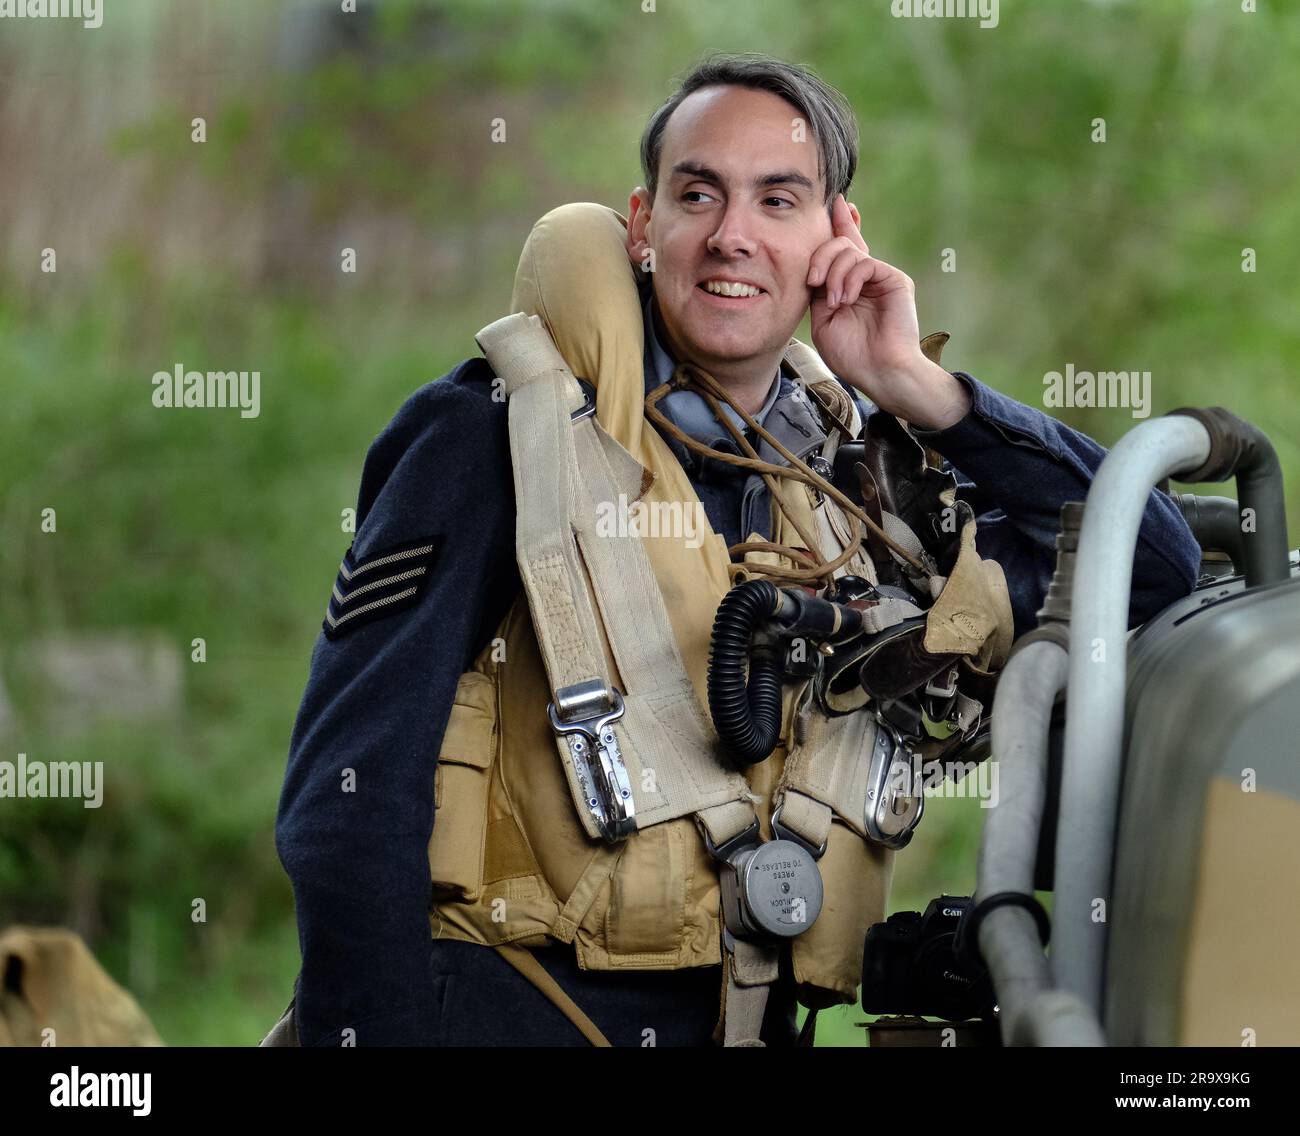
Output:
x,y
865,329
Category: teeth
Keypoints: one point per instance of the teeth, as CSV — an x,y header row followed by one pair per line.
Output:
x,y
726,288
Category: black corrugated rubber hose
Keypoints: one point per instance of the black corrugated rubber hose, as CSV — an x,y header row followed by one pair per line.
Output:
x,y
746,712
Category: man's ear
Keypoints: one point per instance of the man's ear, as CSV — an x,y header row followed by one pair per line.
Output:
x,y
853,212
638,218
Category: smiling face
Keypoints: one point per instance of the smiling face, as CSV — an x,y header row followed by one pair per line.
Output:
x,y
739,208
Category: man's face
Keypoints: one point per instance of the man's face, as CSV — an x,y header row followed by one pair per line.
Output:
x,y
739,199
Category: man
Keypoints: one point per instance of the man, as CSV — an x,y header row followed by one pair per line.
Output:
x,y
746,167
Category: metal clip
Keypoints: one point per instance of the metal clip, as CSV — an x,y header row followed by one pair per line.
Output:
x,y
784,832
584,717
949,687
938,701
823,469
588,407
891,813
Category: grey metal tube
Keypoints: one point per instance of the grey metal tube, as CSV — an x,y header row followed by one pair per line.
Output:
x,y
1056,1018
1008,936
1098,669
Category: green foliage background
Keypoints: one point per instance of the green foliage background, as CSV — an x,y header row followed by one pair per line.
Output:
x,y
1120,255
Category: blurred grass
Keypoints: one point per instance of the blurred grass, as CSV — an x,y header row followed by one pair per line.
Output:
x,y
199,524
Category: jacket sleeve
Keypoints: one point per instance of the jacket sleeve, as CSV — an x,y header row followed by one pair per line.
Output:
x,y
1017,466
356,809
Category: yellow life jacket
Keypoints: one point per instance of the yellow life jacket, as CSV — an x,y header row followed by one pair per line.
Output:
x,y
515,856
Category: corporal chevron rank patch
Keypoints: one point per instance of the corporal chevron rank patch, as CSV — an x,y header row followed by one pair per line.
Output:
x,y
385,582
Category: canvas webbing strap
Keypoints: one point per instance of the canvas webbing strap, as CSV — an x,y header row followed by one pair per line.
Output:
x,y
598,870
524,961
898,530
570,466
578,582
675,737
825,775
540,428
748,971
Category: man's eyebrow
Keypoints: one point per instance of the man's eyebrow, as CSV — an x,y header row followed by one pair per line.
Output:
x,y
779,177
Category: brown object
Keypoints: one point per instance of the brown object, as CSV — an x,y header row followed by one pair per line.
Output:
x,y
1239,963
55,993
687,375
917,1033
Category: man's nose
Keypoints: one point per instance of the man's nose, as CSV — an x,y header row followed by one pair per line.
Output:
x,y
732,236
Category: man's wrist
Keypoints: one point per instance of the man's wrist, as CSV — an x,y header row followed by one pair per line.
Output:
x,y
936,399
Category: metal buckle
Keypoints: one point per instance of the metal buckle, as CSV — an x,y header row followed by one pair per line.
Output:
x,y
781,832
890,816
588,407
948,689
823,469
769,890
584,717
728,848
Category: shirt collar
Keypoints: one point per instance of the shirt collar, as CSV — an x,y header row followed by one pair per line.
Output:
x,y
787,413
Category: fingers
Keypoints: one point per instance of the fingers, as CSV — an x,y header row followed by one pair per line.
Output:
x,y
848,262
843,223
855,279
819,264
832,261
851,275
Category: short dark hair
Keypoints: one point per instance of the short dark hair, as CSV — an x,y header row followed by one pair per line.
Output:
x,y
826,111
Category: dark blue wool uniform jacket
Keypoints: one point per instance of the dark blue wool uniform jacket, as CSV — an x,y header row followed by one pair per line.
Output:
x,y
437,497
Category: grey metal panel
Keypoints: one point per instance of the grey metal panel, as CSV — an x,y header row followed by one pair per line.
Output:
x,y
1212,689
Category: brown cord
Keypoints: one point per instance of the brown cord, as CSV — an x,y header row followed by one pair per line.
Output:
x,y
688,375
769,479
